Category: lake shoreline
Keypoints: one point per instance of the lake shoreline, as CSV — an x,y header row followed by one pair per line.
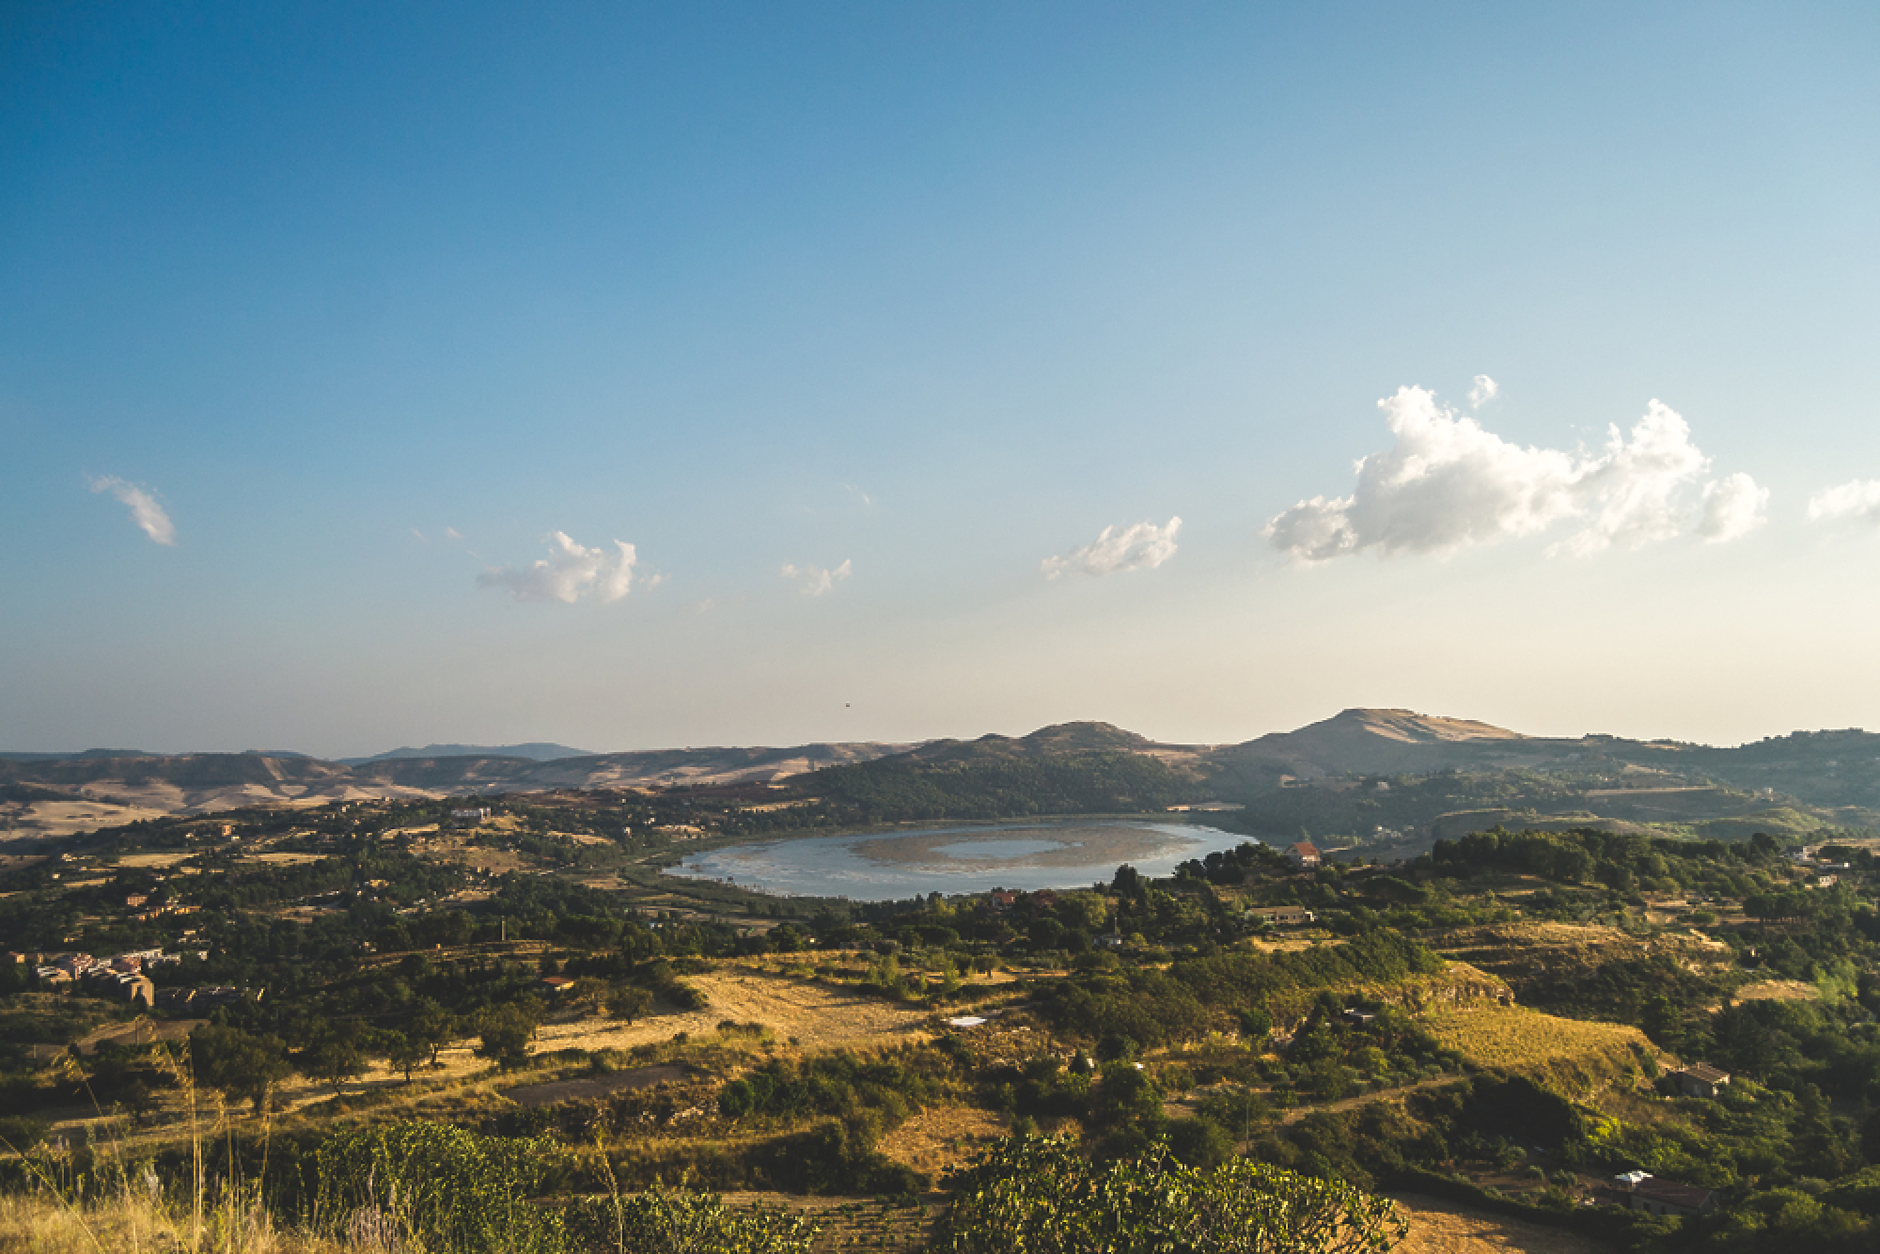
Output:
x,y
1023,854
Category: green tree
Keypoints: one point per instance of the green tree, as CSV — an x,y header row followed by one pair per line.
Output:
x,y
629,1002
336,1054
505,1032
405,1054
431,1026
244,1066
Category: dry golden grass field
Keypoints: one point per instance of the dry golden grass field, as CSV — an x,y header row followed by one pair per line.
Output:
x,y
1778,990
1444,1228
813,1015
935,1139
1515,1038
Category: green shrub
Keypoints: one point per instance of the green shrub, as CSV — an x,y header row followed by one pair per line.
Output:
x,y
432,1185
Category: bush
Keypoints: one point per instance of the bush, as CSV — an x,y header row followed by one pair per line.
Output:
x,y
1038,1195
431,1185
674,1221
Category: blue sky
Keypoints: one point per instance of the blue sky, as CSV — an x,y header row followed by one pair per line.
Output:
x,y
343,347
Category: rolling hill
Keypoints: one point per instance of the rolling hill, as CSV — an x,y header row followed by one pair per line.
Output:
x,y
1353,774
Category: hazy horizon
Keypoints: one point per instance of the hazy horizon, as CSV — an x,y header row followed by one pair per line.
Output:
x,y
703,745
643,378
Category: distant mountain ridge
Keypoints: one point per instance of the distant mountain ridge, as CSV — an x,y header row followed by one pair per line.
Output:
x,y
535,751
1828,769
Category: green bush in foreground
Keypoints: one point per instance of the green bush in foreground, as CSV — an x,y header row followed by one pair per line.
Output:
x,y
1038,1195
438,1187
680,1221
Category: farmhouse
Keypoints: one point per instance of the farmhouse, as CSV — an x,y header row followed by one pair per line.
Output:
x,y
1282,916
1304,854
1700,1079
1640,1190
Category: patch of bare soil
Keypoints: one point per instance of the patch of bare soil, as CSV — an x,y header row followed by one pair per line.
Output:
x,y
141,1032
1438,1227
148,860
590,1087
934,1140
64,818
1778,990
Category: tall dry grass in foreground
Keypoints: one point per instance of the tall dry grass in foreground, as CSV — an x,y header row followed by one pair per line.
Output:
x,y
127,1224
119,1205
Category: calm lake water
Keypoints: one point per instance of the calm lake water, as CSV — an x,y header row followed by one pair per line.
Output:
x,y
959,858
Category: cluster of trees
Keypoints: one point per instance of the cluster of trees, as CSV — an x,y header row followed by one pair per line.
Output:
x,y
841,1083
1619,861
1125,1010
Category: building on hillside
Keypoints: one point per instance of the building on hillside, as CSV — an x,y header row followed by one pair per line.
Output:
x,y
1700,1079
1001,901
1282,916
1304,854
1640,1190
557,984
138,991
472,815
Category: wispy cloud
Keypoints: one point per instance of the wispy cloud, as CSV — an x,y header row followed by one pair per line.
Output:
x,y
1140,547
1484,391
1447,483
1858,501
570,572
814,581
145,511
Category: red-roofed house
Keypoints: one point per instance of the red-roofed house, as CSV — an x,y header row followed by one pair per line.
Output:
x,y
1304,854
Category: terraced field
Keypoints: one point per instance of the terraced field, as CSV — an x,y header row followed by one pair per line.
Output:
x,y
1515,1038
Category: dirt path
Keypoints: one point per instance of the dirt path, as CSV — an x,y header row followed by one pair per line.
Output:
x,y
1351,1103
1438,1227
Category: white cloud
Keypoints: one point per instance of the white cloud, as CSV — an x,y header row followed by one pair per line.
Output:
x,y
1635,491
814,581
1447,483
1140,547
1484,391
1733,506
1857,501
145,511
570,572
451,533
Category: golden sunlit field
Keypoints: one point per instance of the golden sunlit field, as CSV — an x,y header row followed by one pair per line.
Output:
x,y
1518,1039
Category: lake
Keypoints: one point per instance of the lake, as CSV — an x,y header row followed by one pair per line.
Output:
x,y
958,858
